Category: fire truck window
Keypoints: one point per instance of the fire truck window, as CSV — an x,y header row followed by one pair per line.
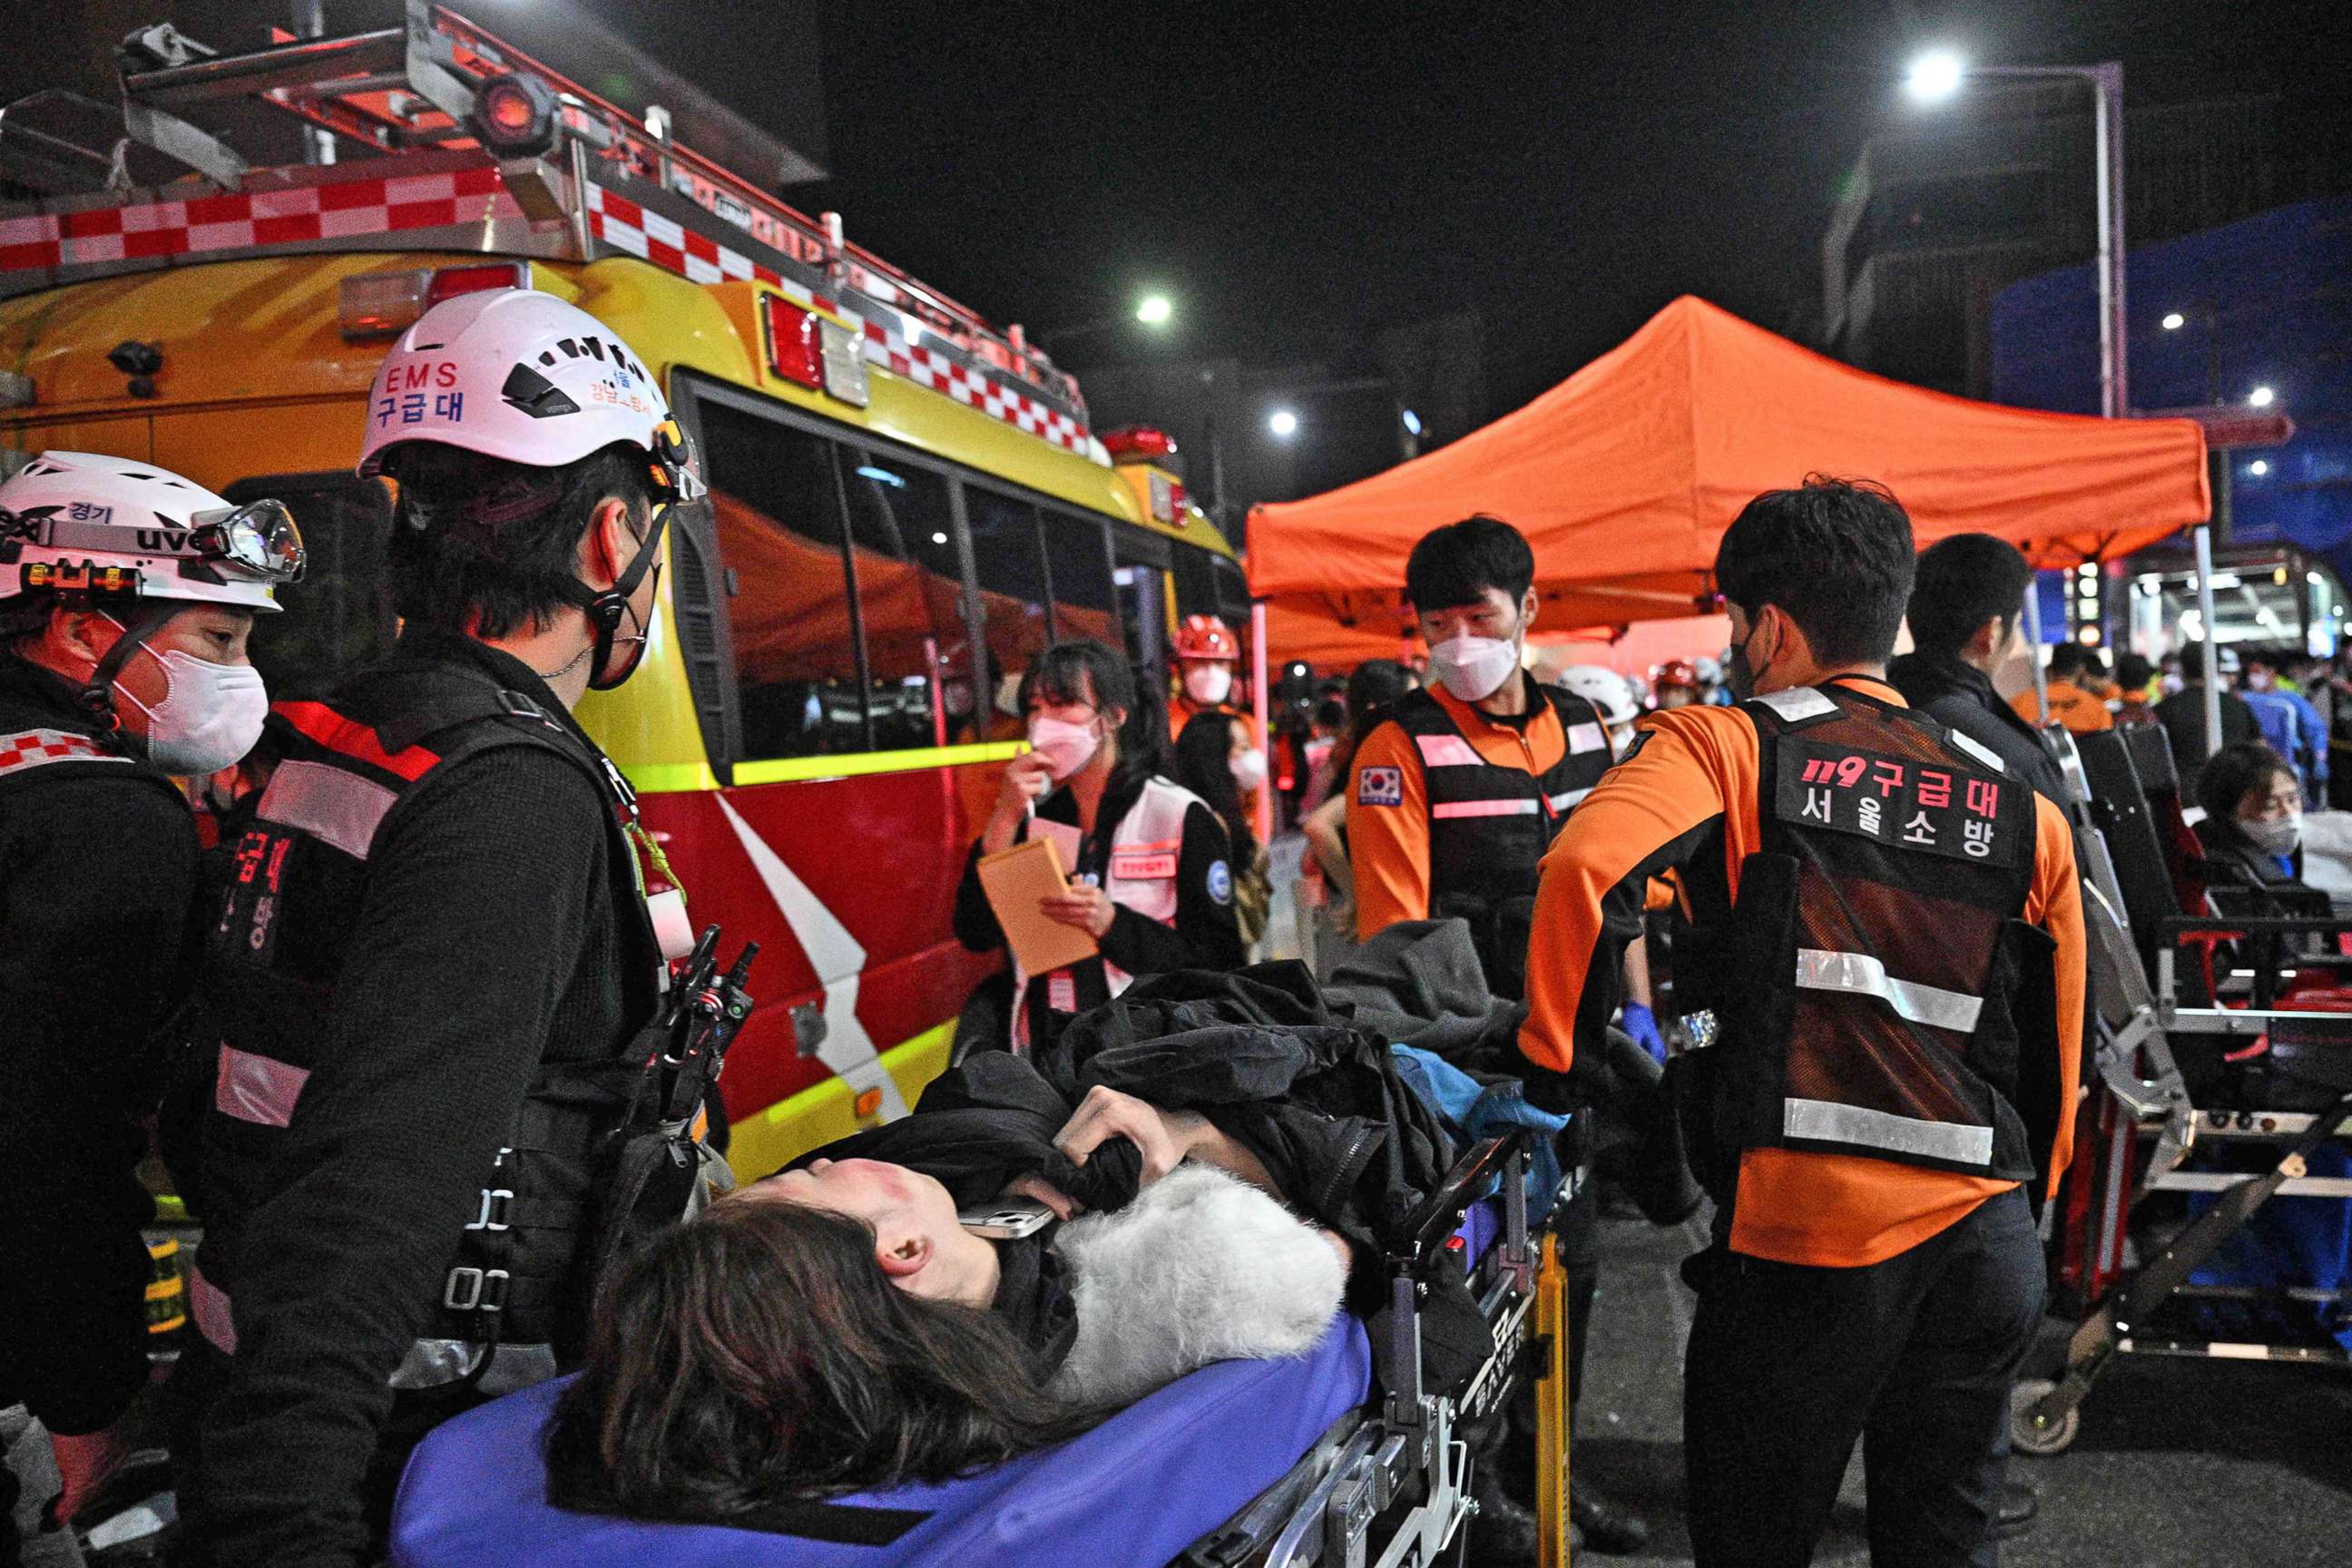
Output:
x,y
339,618
910,600
1085,601
774,493
1012,594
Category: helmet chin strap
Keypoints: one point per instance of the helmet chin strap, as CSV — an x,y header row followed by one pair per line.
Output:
x,y
96,694
605,609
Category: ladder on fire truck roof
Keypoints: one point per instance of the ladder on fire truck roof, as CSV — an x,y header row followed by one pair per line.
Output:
x,y
466,144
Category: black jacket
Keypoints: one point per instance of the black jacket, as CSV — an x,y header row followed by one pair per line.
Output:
x,y
2182,714
1960,696
487,942
1318,1102
97,874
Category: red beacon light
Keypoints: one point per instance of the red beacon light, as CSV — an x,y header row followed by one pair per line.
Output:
x,y
378,304
1138,444
514,116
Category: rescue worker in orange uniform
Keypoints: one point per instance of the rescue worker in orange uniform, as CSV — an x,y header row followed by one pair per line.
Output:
x,y
1451,804
1208,663
1454,799
2077,689
1889,936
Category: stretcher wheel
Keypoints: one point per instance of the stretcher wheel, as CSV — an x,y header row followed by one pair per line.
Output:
x,y
2039,1438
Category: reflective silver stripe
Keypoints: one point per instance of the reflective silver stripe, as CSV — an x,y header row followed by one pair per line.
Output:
x,y
1582,738
1485,808
328,802
1862,975
1562,802
259,1090
1978,750
1448,752
1797,703
1826,1122
209,1303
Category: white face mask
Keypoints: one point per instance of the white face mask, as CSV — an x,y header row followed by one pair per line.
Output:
x,y
1209,683
1066,747
210,715
1249,769
1474,668
2279,837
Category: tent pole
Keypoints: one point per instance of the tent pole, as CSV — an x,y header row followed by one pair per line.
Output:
x,y
2204,534
2034,646
1260,699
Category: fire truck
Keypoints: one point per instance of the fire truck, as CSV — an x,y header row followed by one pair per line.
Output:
x,y
908,503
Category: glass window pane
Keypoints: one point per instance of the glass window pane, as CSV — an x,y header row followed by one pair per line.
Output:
x,y
779,519
1086,601
910,597
339,618
1011,593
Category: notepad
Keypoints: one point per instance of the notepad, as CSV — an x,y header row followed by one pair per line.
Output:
x,y
1014,880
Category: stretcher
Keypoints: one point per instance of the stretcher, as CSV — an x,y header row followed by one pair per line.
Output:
x,y
1281,1463
2223,1066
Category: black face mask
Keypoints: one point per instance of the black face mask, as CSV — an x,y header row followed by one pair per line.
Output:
x,y
1737,672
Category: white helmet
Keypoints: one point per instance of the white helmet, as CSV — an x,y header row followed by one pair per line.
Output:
x,y
1605,689
1710,670
519,374
85,523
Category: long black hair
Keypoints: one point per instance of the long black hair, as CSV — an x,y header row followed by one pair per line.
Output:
x,y
1377,686
759,1356
1084,670
1204,765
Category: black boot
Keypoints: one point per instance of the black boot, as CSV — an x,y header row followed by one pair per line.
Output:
x,y
1502,1533
1606,1528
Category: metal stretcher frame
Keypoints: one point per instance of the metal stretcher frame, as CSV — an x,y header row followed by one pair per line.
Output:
x,y
2133,1028
1391,1488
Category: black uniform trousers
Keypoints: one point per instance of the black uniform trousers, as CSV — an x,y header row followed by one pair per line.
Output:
x,y
1788,1365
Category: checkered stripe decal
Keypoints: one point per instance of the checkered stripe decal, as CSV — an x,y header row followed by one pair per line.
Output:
x,y
38,747
626,227
341,210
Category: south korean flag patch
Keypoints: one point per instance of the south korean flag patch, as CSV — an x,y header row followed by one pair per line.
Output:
x,y
1381,786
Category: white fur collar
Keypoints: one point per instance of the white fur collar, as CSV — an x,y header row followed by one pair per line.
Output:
x,y
1200,1267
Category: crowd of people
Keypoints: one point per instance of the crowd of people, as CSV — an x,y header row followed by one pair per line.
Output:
x,y
390,1026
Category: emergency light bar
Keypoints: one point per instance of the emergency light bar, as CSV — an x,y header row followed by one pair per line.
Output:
x,y
378,304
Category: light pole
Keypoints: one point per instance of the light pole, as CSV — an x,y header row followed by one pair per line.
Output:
x,y
1938,76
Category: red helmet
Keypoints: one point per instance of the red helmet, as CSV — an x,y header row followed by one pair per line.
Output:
x,y
1675,672
1206,637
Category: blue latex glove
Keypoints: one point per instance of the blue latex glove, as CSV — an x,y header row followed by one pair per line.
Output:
x,y
1643,1025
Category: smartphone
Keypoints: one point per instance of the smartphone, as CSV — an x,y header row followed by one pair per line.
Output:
x,y
1006,1220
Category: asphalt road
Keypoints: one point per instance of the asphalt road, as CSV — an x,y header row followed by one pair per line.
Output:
x,y
2179,1462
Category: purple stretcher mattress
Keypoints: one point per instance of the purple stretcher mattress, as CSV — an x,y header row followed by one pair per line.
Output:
x,y
1132,1493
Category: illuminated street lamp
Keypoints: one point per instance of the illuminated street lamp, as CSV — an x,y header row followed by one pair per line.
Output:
x,y
1284,422
1936,77
1154,311
2174,320
2261,397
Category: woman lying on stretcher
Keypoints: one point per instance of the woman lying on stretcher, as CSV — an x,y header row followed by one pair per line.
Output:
x,y
833,1328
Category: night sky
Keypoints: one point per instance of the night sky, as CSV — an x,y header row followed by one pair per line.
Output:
x,y
1297,174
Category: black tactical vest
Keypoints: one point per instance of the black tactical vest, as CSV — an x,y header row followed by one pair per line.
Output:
x,y
1489,825
1876,980
295,881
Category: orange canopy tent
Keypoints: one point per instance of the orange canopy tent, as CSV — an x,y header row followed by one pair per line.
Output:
x,y
1624,476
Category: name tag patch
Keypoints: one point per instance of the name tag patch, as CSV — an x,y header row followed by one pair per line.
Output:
x,y
1897,801
1582,738
1381,786
1143,865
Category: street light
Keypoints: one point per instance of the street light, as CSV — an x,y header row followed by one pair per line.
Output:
x,y
2262,397
1412,422
2259,467
2174,320
1151,311
1936,77
1283,423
